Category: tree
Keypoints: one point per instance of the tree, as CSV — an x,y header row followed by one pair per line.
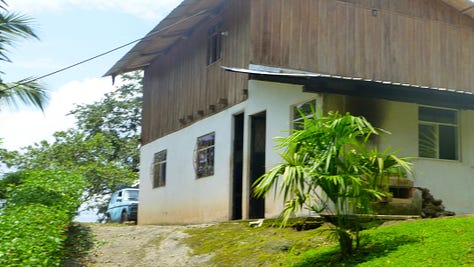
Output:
x,y
118,118
103,147
90,156
14,26
330,165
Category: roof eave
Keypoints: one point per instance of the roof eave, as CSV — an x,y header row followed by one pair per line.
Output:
x,y
466,7
173,28
353,86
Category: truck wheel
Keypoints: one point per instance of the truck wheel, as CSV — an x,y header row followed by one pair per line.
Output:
x,y
124,217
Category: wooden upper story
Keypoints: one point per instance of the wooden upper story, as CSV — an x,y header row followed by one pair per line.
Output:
x,y
420,42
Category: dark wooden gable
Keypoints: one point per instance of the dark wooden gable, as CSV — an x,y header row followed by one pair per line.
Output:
x,y
180,87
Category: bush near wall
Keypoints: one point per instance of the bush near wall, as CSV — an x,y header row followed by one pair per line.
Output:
x,y
34,223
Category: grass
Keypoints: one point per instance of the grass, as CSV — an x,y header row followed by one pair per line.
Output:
x,y
433,242
428,242
237,244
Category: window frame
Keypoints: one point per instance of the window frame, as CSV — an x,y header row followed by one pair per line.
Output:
x,y
206,163
436,125
296,118
159,174
214,44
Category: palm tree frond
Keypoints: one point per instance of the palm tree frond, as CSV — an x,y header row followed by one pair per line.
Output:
x,y
12,26
25,91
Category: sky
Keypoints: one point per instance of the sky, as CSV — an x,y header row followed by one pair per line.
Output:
x,y
70,31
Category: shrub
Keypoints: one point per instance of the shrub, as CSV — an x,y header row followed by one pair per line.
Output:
x,y
331,165
34,224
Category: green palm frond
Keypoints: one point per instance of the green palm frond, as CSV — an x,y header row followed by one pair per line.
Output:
x,y
25,91
3,5
13,26
331,156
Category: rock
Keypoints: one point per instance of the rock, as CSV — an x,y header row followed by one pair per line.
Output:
x,y
431,207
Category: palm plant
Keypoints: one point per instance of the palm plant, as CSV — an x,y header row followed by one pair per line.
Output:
x,y
331,166
12,27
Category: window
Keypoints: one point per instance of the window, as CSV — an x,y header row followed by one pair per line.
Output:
x,y
130,195
214,46
205,155
307,109
438,133
159,169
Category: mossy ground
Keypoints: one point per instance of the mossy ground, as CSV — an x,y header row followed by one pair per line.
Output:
x,y
433,242
237,244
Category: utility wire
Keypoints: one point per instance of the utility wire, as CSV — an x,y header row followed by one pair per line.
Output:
x,y
150,34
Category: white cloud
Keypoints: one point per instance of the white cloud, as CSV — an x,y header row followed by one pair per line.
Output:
x,y
146,9
25,127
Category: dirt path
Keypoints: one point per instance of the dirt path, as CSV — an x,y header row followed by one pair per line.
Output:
x,y
142,246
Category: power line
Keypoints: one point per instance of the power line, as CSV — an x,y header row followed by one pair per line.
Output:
x,y
150,34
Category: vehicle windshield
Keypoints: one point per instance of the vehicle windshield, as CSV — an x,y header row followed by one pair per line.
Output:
x,y
131,194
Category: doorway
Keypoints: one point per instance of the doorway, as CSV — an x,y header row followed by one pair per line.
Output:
x,y
237,162
257,162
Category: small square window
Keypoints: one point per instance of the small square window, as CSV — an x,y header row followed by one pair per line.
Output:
x,y
299,111
438,133
159,169
205,155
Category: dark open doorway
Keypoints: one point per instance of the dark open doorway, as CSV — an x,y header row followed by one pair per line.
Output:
x,y
257,162
238,149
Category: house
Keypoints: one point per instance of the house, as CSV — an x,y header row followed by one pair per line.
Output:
x,y
222,78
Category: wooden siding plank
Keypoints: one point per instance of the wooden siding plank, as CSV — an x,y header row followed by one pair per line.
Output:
x,y
406,41
179,83
403,41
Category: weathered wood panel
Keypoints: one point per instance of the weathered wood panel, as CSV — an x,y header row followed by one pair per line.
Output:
x,y
424,42
181,86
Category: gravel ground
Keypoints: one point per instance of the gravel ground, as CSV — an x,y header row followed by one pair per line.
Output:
x,y
142,245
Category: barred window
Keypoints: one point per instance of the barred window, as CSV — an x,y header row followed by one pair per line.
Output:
x,y
205,155
438,133
159,169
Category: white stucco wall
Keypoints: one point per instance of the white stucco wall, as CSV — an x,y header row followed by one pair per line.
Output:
x,y
186,199
449,180
277,100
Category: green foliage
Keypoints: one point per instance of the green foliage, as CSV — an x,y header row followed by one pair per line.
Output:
x,y
428,242
40,240
14,26
117,117
331,165
72,150
104,147
26,91
436,242
34,223
8,182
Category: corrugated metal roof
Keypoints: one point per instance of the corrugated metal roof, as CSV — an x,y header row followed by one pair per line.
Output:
x,y
284,73
316,82
182,20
